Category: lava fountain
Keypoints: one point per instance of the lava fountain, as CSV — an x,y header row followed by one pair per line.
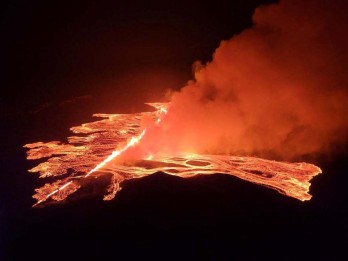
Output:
x,y
95,149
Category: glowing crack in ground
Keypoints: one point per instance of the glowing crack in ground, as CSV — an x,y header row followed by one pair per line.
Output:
x,y
96,144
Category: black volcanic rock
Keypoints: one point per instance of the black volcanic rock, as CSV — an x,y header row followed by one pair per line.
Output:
x,y
165,216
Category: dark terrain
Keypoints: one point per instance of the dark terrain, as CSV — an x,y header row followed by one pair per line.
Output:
x,y
62,62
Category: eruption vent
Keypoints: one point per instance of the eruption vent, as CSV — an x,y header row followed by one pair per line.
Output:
x,y
85,157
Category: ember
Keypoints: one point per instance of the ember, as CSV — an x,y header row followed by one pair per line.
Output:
x,y
94,154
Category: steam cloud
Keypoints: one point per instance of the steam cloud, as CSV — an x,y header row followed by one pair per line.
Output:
x,y
278,89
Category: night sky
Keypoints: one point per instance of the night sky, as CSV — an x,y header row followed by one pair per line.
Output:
x,y
61,62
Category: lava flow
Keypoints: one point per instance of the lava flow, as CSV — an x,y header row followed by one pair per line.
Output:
x,y
93,153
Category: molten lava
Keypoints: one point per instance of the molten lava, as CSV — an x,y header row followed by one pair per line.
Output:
x,y
93,153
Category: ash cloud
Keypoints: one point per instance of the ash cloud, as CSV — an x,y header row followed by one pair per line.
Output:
x,y
278,89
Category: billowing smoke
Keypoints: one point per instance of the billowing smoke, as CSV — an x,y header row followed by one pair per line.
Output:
x,y
278,89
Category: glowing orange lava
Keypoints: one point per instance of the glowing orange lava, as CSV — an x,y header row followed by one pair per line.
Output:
x,y
100,142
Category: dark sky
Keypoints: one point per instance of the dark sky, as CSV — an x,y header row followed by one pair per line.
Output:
x,y
118,55
108,49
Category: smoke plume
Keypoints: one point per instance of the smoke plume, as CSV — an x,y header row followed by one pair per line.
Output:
x,y
278,89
